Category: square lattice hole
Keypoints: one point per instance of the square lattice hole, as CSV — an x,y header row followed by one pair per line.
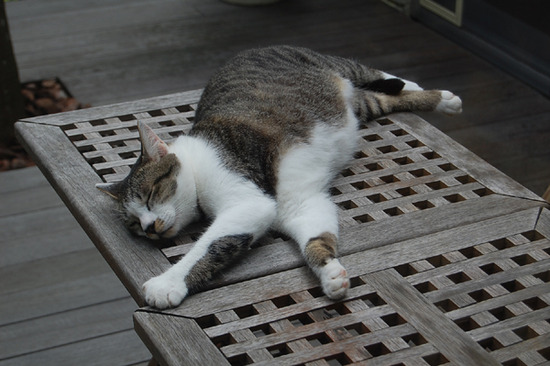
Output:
x,y
283,301
490,344
431,155
279,350
420,173
459,277
446,305
372,137
533,235
403,161
437,185
360,185
364,218
454,198
347,205
406,270
414,339
372,300
480,295
407,191
245,311
415,143
399,132
357,329
502,313
543,276
393,320
338,360
467,324
523,259
373,167
390,179
436,359
393,211
423,205
300,320
438,260
387,149
535,303
425,287
471,252
526,333
224,340
318,339
491,268
376,198
239,360
447,167
262,330
377,349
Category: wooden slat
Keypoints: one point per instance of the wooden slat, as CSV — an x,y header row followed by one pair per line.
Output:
x,y
121,348
132,259
194,348
463,158
448,337
118,69
91,321
394,254
120,109
43,287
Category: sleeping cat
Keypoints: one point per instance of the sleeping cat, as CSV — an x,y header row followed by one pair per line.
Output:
x,y
273,127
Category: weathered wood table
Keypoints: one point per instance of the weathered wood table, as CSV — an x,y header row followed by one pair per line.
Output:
x,y
449,258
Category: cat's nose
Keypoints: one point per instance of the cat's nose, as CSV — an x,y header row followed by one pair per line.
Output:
x,y
150,229
147,221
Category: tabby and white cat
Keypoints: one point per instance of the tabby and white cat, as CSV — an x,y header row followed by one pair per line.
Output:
x,y
274,126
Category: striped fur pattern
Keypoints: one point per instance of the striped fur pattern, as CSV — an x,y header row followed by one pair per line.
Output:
x,y
274,126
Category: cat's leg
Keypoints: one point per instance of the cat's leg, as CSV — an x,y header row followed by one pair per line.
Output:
x,y
374,105
311,220
228,237
409,85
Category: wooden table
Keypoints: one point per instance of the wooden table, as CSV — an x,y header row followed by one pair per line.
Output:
x,y
449,258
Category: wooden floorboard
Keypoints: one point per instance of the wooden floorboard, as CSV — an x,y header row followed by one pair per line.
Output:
x,y
54,282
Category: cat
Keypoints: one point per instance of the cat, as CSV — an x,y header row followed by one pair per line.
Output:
x,y
273,127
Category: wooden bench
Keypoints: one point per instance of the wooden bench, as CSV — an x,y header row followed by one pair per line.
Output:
x,y
449,258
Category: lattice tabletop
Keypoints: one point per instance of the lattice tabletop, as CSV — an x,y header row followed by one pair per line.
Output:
x,y
449,257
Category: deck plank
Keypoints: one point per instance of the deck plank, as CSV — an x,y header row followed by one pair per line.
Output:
x,y
109,51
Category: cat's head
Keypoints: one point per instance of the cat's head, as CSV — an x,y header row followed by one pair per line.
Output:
x,y
158,197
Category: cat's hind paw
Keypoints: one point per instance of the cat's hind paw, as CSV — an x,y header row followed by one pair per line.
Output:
x,y
334,279
449,104
164,291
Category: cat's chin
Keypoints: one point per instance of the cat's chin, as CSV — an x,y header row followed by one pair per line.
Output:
x,y
170,233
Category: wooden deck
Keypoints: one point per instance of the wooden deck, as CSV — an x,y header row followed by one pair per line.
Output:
x,y
107,51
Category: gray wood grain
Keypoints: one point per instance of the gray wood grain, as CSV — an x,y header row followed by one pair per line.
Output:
x,y
435,327
193,347
132,259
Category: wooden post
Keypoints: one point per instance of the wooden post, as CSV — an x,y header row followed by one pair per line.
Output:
x,y
546,194
11,100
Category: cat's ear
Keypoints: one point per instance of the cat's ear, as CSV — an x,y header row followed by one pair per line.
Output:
x,y
152,147
112,189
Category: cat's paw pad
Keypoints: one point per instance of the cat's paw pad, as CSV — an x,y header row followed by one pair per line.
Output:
x,y
334,279
449,104
164,292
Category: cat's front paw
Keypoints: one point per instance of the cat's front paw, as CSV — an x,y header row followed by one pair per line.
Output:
x,y
164,291
449,104
334,279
